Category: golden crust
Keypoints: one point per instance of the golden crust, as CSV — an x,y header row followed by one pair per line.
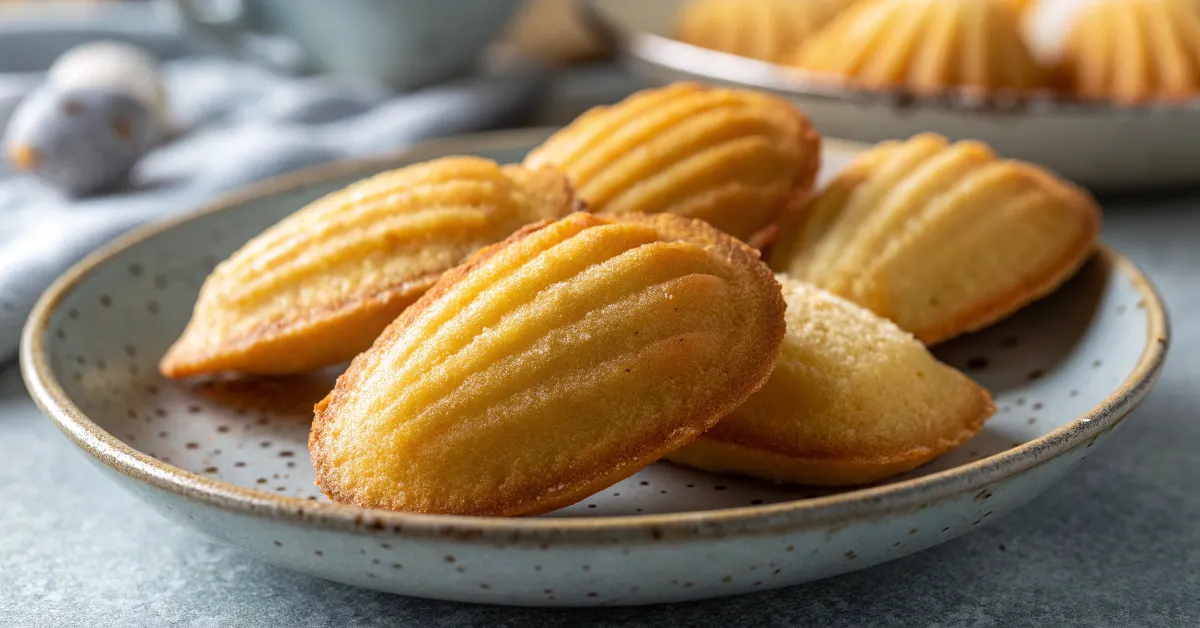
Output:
x,y
551,366
715,455
1021,6
760,29
925,46
1134,50
853,399
734,158
318,287
942,238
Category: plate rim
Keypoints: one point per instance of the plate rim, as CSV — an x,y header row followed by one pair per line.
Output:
x,y
705,64
910,494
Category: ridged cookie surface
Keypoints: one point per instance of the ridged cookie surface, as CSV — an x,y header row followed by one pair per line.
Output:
x,y
760,29
1134,50
318,287
733,158
924,46
941,238
550,367
853,399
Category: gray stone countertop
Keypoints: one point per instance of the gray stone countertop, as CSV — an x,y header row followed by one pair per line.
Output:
x,y
1117,543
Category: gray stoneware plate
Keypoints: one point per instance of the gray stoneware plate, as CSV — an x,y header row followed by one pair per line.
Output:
x,y
229,458
1099,144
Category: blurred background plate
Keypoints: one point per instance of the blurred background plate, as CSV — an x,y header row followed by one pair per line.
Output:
x,y
1100,145
229,458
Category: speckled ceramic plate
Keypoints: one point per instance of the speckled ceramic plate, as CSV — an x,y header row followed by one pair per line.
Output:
x,y
229,458
1099,144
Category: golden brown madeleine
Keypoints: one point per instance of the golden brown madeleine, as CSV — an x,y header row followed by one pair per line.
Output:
x,y
853,399
733,158
925,46
1021,6
759,29
319,286
941,238
1133,50
551,366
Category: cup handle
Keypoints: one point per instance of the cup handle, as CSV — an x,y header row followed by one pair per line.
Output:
x,y
223,25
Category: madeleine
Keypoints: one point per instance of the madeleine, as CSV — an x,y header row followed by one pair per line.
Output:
x,y
853,399
319,286
766,30
1132,51
941,238
550,367
736,159
925,46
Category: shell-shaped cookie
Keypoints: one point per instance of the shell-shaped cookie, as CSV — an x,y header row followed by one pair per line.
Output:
x,y
733,158
318,287
1134,50
550,367
925,46
853,399
760,29
941,238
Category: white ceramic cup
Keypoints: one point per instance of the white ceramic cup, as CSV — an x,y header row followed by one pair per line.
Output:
x,y
402,43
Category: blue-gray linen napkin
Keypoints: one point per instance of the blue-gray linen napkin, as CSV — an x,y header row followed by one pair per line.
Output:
x,y
235,124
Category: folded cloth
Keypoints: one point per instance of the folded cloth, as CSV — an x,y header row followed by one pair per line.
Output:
x,y
237,124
